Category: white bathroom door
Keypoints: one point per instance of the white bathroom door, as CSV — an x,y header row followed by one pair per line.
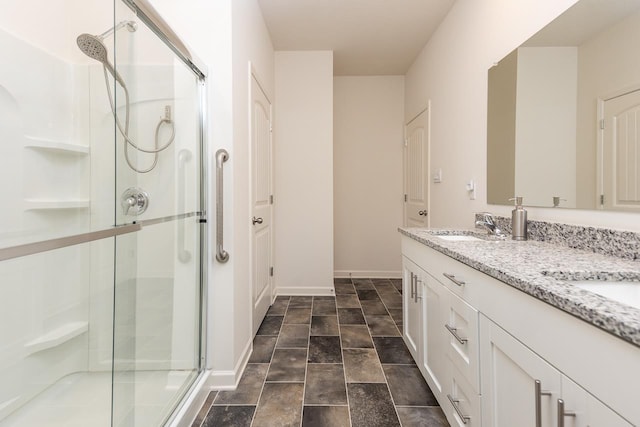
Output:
x,y
261,203
416,171
621,152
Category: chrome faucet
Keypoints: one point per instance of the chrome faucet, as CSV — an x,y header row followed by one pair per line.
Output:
x,y
488,223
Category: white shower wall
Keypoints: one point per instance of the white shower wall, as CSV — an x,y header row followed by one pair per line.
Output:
x,y
44,299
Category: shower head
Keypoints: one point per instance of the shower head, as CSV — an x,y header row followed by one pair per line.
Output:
x,y
94,48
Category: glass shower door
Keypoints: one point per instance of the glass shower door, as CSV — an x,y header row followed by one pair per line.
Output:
x,y
100,248
157,312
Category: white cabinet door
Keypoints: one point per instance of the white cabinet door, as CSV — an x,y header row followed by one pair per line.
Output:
x,y
411,313
583,410
509,374
433,363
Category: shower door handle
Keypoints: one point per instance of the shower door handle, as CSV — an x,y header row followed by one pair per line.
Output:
x,y
221,255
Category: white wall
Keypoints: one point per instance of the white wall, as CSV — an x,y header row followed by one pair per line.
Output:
x,y
547,85
367,170
303,158
451,70
226,35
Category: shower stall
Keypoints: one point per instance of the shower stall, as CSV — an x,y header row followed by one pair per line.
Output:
x,y
103,215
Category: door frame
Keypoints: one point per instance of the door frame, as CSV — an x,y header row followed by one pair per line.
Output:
x,y
427,110
601,100
253,75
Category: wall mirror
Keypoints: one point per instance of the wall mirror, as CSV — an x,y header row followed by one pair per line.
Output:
x,y
563,124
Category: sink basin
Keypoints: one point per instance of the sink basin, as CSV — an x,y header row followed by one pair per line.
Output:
x,y
459,238
627,293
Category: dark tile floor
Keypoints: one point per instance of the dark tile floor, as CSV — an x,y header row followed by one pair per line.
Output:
x,y
330,361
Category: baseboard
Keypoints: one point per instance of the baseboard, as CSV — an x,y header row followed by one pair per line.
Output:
x,y
305,291
228,380
342,274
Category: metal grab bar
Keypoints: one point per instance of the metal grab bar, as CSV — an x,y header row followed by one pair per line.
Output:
x,y
184,156
221,255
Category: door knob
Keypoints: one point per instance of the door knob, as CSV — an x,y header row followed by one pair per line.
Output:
x,y
256,220
422,213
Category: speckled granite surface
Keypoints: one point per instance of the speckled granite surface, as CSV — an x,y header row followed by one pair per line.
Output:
x,y
621,244
541,270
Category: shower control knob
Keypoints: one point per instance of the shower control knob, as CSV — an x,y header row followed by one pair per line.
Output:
x,y
134,201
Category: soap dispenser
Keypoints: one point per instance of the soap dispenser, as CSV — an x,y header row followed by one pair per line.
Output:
x,y
518,221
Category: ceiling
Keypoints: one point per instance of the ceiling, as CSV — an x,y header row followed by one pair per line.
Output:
x,y
582,21
367,37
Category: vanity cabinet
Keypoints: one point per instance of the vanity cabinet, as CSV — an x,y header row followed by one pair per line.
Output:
x,y
482,345
441,332
520,388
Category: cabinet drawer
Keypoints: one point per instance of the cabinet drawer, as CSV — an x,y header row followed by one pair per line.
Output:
x,y
462,403
459,278
461,324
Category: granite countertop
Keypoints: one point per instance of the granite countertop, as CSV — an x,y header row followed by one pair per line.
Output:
x,y
545,271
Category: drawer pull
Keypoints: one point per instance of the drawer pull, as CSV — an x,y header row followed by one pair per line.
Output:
x,y
454,332
412,291
562,413
454,403
453,279
539,393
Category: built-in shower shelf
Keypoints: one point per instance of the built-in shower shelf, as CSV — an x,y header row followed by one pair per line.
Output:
x,y
54,145
57,337
43,204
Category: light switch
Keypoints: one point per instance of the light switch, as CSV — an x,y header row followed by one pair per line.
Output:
x,y
437,177
471,189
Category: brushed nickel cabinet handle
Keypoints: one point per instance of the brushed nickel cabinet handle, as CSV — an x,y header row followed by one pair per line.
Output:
x,y
538,396
412,291
562,413
454,332
453,279
454,403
